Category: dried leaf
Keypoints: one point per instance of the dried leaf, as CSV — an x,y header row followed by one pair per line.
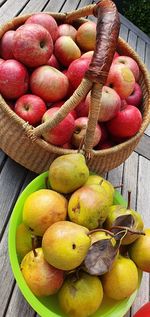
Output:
x,y
124,221
100,257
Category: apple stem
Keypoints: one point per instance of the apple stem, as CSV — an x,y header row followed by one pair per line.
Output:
x,y
129,199
33,246
128,229
118,186
101,230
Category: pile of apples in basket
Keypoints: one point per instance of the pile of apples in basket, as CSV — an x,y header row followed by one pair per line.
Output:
x,y
75,241
41,65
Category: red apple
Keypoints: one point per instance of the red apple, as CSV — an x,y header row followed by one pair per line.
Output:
x,y
105,145
62,133
126,123
136,97
86,36
121,79
32,45
115,55
124,104
49,83
10,103
6,44
70,88
47,21
76,71
53,62
60,103
129,62
88,54
68,30
82,109
80,130
31,108
110,103
1,60
66,50
14,79
67,145
104,133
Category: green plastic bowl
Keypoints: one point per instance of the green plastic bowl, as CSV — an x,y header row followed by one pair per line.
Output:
x,y
48,306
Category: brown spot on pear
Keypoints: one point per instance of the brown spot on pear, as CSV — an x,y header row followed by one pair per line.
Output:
x,y
65,245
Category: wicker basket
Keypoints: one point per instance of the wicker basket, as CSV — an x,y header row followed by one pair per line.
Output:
x,y
23,143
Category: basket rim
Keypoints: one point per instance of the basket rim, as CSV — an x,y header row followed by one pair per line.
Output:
x,y
58,150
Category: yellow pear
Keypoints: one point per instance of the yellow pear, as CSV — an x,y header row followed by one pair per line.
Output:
x,y
42,208
65,245
68,172
42,278
122,280
81,297
140,251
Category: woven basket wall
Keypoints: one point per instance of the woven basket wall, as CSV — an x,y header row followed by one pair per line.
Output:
x,y
36,154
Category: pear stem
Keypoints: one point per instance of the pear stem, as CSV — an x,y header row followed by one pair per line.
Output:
x,y
33,246
101,182
129,199
118,186
128,229
101,230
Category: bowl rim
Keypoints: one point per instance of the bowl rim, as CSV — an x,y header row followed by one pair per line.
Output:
x,y
118,310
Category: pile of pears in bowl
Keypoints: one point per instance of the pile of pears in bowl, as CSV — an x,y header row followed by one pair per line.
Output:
x,y
76,247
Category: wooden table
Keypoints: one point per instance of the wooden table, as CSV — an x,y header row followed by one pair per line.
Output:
x,y
134,173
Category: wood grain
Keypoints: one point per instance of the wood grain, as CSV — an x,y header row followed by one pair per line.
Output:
x,y
11,9
11,178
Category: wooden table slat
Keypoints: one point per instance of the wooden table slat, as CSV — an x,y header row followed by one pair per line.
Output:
x,y
132,39
130,178
11,177
18,304
134,173
124,32
2,159
34,6
54,6
11,9
143,146
6,276
141,48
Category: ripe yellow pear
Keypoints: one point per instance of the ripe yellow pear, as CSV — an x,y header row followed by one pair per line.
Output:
x,y
81,297
42,208
88,206
68,172
122,280
140,251
101,182
42,278
65,245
